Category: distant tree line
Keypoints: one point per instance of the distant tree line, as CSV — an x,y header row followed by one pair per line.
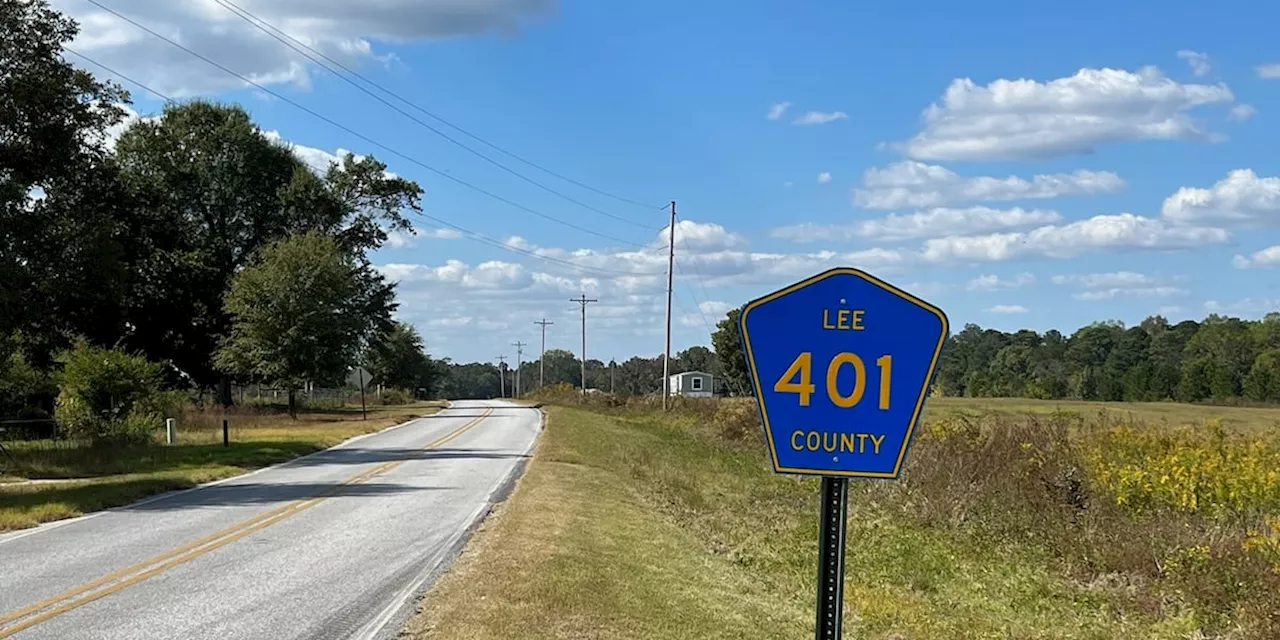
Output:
x,y
635,376
1220,358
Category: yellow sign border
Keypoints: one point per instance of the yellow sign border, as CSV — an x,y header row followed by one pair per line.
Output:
x,y
755,375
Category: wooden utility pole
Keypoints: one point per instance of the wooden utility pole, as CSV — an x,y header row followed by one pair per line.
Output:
x,y
542,359
584,301
519,362
502,377
666,353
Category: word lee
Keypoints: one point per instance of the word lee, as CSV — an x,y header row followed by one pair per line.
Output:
x,y
830,441
798,379
846,319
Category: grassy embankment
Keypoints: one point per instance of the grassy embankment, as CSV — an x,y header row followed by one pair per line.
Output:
x,y
1014,519
71,479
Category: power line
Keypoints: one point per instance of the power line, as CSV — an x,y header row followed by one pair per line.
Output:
x,y
116,73
357,134
298,46
471,235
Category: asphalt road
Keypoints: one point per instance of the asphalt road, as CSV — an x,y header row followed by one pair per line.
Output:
x,y
333,545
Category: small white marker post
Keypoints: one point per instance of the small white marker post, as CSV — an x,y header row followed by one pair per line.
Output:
x,y
170,430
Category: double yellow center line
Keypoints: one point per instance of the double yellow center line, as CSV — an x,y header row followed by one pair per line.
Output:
x,y
61,603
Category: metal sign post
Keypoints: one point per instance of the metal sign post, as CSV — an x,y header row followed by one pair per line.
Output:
x,y
831,531
840,364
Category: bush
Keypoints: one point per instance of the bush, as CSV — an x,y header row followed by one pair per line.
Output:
x,y
108,395
396,396
738,420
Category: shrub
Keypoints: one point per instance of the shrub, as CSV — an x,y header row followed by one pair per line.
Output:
x,y
738,420
108,395
396,396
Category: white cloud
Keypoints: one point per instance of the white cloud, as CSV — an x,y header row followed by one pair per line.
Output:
x,y
1269,71
1112,279
1117,231
1138,292
1268,257
402,239
1242,112
442,233
992,282
1246,305
1017,119
917,184
1007,309
824,177
777,110
112,134
1242,198
345,31
819,117
714,308
923,224
1199,62
698,235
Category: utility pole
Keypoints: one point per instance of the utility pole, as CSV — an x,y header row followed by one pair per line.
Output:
x,y
611,367
584,301
519,362
666,354
542,359
502,377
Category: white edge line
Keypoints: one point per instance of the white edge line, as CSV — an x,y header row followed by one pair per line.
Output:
x,y
48,526
374,627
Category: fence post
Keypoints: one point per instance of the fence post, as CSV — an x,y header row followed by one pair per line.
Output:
x,y
226,438
170,430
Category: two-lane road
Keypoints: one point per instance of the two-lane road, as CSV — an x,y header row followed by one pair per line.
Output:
x,y
333,545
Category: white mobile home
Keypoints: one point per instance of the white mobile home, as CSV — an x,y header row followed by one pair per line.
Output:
x,y
694,384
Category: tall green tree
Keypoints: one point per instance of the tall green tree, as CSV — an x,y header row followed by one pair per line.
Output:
x,y
229,192
727,342
53,119
299,313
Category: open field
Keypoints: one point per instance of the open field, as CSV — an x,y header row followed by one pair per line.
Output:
x,y
50,480
1010,522
1150,413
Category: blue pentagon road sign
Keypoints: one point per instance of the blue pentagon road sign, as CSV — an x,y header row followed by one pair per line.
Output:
x,y
841,364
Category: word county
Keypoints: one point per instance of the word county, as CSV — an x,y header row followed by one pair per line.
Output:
x,y
831,441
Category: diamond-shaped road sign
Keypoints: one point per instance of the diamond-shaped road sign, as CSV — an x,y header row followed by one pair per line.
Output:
x,y
841,364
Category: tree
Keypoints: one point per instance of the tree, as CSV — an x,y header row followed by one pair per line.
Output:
x,y
396,359
697,358
1263,381
52,120
727,341
231,191
299,313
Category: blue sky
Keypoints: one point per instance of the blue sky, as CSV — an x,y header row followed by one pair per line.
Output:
x,y
1017,164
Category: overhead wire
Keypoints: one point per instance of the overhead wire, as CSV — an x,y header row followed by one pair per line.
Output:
x,y
472,235
357,134
307,51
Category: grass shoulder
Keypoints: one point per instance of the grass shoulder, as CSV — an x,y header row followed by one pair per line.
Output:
x,y
639,525
52,480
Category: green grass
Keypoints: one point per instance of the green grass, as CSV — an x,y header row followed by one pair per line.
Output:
x,y
633,525
74,479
